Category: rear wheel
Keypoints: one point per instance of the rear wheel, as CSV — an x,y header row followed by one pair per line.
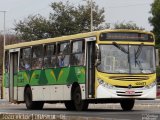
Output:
x,y
127,105
28,100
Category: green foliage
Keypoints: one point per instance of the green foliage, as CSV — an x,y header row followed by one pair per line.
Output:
x,y
84,16
127,25
33,27
155,20
65,19
157,46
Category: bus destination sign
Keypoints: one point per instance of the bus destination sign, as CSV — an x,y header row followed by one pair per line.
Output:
x,y
126,36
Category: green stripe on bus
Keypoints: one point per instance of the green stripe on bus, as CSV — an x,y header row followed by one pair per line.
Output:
x,y
55,76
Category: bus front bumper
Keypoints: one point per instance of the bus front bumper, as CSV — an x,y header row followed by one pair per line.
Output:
x,y
135,93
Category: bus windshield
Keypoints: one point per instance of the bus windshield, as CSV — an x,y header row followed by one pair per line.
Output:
x,y
129,59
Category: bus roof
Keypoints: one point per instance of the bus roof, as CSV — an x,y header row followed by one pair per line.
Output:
x,y
68,37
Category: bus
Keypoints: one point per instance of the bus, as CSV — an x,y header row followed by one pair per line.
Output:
x,y
105,66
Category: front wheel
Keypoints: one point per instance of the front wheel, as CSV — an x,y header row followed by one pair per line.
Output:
x,y
69,105
127,105
79,104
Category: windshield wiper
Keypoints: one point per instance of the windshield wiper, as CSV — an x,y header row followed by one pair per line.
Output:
x,y
139,64
121,48
125,51
137,54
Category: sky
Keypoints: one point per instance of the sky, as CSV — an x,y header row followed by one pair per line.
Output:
x,y
116,11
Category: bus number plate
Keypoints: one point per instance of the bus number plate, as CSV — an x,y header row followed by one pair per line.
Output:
x,y
130,92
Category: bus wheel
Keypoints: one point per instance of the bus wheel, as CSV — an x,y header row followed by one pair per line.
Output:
x,y
127,105
79,104
28,100
69,105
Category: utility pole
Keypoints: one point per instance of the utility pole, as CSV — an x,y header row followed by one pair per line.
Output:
x,y
4,43
4,27
91,15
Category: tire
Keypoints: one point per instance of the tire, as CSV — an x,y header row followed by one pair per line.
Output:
x,y
31,105
79,104
69,105
127,105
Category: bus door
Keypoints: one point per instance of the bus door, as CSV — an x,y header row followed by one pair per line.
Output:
x,y
90,67
13,74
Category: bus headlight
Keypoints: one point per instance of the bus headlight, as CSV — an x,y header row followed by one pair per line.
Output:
x,y
104,84
150,85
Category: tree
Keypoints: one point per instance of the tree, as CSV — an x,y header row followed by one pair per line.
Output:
x,y
128,25
33,27
155,20
84,17
65,19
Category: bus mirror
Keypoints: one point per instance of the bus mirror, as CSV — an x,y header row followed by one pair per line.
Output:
x,y
98,56
97,62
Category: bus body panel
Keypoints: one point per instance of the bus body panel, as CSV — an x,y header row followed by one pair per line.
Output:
x,y
52,84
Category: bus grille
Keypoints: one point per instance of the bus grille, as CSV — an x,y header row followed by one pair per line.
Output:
x,y
129,78
120,93
127,86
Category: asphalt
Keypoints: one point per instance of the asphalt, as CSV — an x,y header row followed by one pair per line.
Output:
x,y
137,102
142,108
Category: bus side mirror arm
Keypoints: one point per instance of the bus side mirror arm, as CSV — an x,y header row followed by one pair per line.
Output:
x,y
97,62
98,56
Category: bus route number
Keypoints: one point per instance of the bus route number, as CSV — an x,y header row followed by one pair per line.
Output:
x,y
141,83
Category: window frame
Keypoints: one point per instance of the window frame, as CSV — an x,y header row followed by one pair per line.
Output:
x,y
83,46
46,56
58,52
55,51
42,57
22,58
76,53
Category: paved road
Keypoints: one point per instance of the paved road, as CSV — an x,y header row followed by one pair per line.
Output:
x,y
143,110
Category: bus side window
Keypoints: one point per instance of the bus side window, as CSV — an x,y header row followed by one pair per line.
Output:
x,y
25,59
77,54
37,57
63,54
50,56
